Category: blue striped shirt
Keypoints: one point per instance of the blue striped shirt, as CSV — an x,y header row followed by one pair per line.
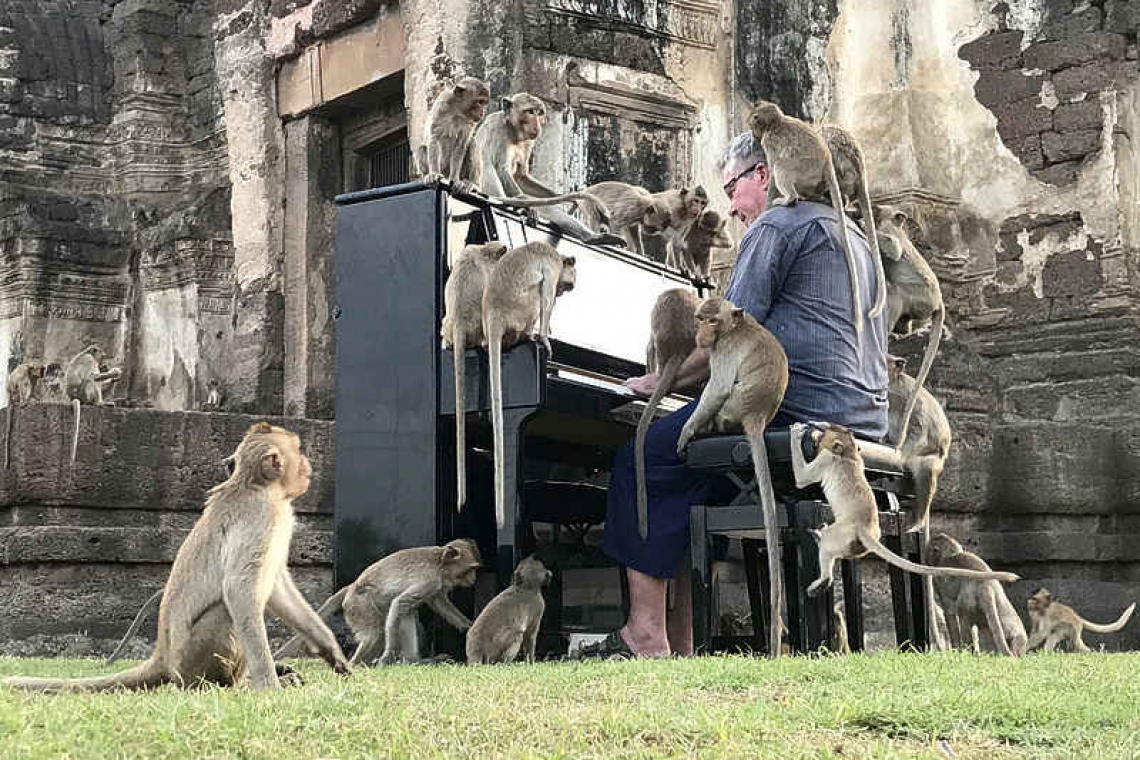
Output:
x,y
791,275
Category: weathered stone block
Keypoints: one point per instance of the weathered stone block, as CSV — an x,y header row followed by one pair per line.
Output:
x,y
1064,173
1122,16
1054,56
995,87
1084,114
1066,146
1090,78
996,50
1065,468
1071,273
1024,117
1028,150
1067,26
138,458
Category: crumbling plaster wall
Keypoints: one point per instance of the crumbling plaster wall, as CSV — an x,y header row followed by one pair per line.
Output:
x,y
1007,131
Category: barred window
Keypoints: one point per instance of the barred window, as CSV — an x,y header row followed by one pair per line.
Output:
x,y
386,162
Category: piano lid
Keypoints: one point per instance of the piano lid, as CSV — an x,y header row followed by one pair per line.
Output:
x,y
608,309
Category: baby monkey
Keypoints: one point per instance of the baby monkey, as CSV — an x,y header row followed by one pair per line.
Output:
x,y
632,210
706,233
380,605
509,623
838,465
968,604
1054,623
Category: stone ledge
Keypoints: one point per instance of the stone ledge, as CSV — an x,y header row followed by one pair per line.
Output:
x,y
140,458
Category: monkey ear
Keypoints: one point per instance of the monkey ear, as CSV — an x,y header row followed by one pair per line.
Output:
x,y
738,314
507,103
450,554
899,362
259,428
272,464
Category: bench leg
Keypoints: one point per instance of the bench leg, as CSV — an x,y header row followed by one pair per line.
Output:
x,y
853,603
918,597
904,633
756,574
701,582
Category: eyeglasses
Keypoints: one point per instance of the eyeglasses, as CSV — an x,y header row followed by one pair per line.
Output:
x,y
730,186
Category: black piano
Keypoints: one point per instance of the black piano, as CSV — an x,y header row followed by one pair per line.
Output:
x,y
395,468
395,482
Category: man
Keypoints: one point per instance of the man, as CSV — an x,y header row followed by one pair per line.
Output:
x,y
791,275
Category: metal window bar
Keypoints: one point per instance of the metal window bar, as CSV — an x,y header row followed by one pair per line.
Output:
x,y
390,162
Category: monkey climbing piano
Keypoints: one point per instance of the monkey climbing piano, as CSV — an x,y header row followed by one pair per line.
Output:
x,y
395,468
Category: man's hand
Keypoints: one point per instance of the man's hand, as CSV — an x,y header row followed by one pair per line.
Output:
x,y
643,385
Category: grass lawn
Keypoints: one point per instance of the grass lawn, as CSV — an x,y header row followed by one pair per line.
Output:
x,y
884,705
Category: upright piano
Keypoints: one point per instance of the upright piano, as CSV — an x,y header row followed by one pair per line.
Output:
x,y
395,398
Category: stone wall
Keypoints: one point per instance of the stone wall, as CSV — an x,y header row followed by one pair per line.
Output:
x,y
81,548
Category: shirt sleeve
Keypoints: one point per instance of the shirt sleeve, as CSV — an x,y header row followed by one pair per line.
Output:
x,y
759,272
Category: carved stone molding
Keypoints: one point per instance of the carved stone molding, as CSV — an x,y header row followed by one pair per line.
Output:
x,y
690,22
72,296
207,263
628,103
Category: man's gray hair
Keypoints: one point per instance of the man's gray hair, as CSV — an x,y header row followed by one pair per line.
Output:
x,y
744,150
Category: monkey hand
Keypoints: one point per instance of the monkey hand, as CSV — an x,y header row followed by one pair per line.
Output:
x,y
341,666
686,436
432,179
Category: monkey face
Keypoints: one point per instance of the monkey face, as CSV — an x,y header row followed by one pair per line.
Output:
x,y
764,116
36,371
839,441
461,562
567,277
714,315
531,573
529,115
695,202
274,455
940,547
1039,601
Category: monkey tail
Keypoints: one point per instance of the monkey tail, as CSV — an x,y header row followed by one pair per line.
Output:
x,y
324,612
134,626
924,370
8,434
75,405
459,349
145,675
664,384
997,630
523,201
1111,627
759,449
872,234
872,544
844,238
494,335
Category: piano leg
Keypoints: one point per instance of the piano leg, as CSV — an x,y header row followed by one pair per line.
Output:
x,y
510,544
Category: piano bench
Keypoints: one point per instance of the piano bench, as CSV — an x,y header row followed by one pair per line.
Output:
x,y
575,508
810,621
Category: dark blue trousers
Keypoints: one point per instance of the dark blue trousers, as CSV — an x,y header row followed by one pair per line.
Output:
x,y
672,490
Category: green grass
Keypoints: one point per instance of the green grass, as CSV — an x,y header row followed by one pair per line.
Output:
x,y
886,705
